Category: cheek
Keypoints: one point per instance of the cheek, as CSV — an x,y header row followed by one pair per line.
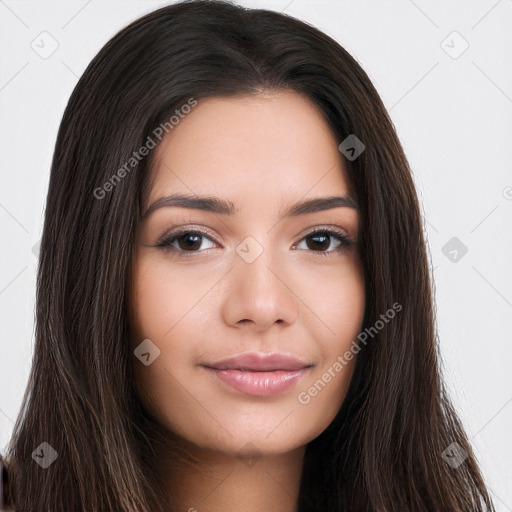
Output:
x,y
161,300
336,305
165,308
334,299
154,313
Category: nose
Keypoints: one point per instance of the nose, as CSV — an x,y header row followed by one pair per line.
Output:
x,y
259,294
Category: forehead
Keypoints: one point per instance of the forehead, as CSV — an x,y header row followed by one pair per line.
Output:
x,y
264,147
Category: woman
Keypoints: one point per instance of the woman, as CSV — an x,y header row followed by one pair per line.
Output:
x,y
288,365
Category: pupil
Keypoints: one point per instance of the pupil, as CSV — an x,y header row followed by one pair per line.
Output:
x,y
194,245
325,238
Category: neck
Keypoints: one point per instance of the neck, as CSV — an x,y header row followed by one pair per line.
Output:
x,y
217,482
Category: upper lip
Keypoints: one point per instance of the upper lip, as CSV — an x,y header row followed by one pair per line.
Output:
x,y
259,362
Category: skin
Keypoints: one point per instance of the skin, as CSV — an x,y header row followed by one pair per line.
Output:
x,y
264,153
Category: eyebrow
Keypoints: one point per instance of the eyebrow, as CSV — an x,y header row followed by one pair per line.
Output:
x,y
224,207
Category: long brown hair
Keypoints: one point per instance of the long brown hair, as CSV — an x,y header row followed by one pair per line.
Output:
x,y
383,451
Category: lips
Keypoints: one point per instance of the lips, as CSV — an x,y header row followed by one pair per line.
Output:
x,y
254,362
259,374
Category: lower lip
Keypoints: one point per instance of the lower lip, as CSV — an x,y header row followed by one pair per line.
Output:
x,y
260,383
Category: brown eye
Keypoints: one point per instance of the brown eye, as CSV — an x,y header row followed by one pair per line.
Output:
x,y
320,240
184,241
189,241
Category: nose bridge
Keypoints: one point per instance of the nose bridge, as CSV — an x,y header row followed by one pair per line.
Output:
x,y
255,267
258,290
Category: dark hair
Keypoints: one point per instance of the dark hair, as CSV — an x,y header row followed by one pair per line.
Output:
x,y
383,451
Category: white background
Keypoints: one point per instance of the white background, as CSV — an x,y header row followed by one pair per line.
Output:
x,y
453,116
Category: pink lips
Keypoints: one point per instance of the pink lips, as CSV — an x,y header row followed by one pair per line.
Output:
x,y
259,374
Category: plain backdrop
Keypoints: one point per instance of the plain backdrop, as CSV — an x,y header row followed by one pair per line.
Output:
x,y
444,72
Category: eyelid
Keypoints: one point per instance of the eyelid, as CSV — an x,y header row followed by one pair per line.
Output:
x,y
346,240
325,227
175,231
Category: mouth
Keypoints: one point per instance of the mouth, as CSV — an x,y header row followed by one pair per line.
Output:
x,y
259,374
260,362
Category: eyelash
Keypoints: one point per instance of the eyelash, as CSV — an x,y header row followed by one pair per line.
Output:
x,y
167,239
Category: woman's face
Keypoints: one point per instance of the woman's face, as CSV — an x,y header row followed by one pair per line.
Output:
x,y
256,282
